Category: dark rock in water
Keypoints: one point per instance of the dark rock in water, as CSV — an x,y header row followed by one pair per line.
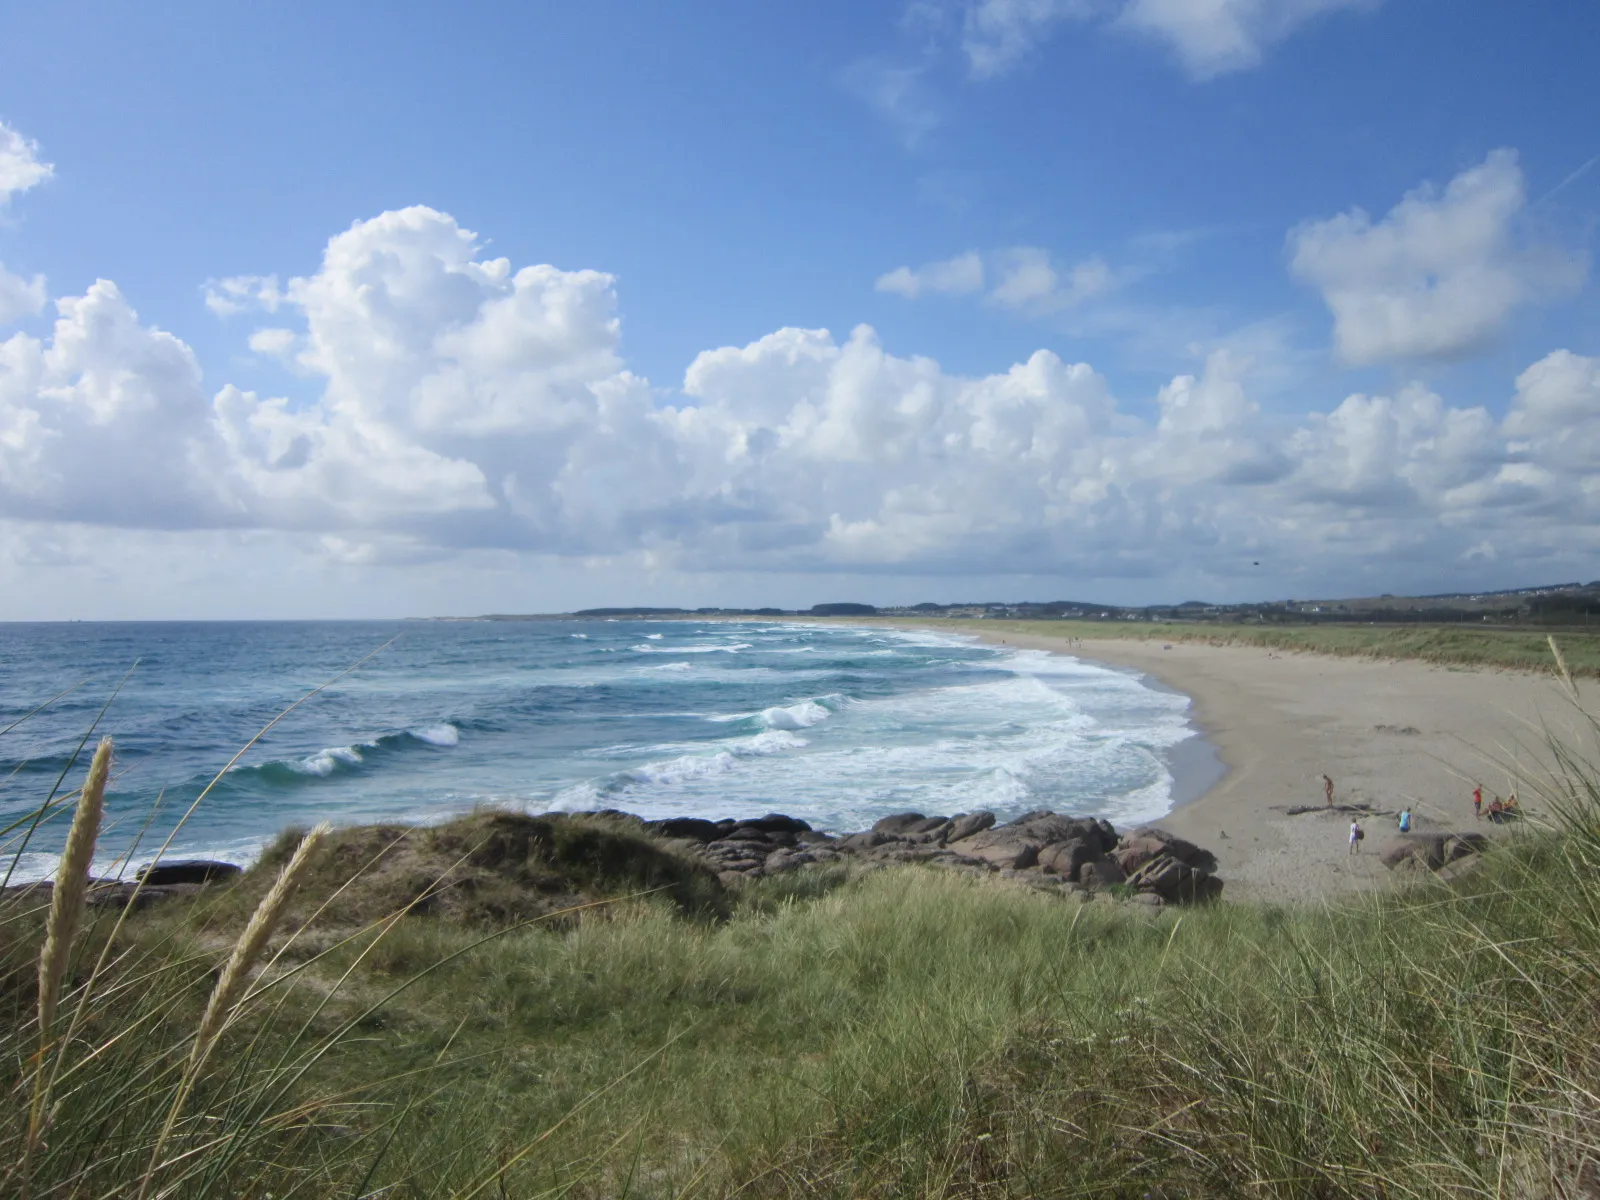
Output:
x,y
968,824
694,828
195,870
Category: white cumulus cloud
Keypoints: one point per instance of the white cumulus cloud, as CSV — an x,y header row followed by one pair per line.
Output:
x,y
460,405
20,297
273,342
1438,276
105,421
20,165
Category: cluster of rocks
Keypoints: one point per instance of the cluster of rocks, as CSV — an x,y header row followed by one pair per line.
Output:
x,y
1075,855
162,881
1071,856
1447,855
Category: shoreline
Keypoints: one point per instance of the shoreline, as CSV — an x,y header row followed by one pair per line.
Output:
x,y
1390,733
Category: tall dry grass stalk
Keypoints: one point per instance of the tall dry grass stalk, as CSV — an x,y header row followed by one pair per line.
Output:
x,y
1561,667
225,996
230,989
71,888
61,928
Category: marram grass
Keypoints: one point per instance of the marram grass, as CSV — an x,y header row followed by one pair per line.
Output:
x,y
897,1033
247,950
71,887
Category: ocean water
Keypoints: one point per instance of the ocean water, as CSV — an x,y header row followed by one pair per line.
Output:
x,y
836,724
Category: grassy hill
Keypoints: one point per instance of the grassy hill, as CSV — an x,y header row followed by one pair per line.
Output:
x,y
890,1033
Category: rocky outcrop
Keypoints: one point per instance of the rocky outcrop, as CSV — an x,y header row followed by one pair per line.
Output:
x,y
1077,856
124,894
501,867
1432,851
193,870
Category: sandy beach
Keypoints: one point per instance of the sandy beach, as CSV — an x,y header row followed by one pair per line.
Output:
x,y
1388,733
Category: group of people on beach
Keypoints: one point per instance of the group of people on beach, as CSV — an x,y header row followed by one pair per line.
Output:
x,y
1358,834
1498,810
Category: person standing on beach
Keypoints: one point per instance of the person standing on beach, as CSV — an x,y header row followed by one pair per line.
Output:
x,y
1356,834
1327,789
1405,820
1477,802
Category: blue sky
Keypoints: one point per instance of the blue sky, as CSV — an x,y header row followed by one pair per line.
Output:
x,y
1311,279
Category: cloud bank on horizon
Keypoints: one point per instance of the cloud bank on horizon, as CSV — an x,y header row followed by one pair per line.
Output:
x,y
449,403
468,403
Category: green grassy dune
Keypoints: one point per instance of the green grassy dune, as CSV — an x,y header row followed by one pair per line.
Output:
x,y
892,1033
1510,649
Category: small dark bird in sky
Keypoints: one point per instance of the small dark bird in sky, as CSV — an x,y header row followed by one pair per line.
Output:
x,y
1255,564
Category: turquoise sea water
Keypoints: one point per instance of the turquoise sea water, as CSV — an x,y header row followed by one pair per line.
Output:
x,y
838,725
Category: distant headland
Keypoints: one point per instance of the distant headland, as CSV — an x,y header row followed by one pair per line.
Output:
x,y
1560,604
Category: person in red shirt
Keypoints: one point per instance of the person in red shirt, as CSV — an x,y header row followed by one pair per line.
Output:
x,y
1477,802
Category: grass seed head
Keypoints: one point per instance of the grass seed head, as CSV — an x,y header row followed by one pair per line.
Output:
x,y
71,886
230,987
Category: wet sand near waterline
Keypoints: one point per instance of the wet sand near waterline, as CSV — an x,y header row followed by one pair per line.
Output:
x,y
1389,733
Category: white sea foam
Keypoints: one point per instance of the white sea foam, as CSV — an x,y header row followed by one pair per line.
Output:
x,y
326,762
443,734
795,716
773,741
582,636
655,637
732,648
1082,739
799,715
